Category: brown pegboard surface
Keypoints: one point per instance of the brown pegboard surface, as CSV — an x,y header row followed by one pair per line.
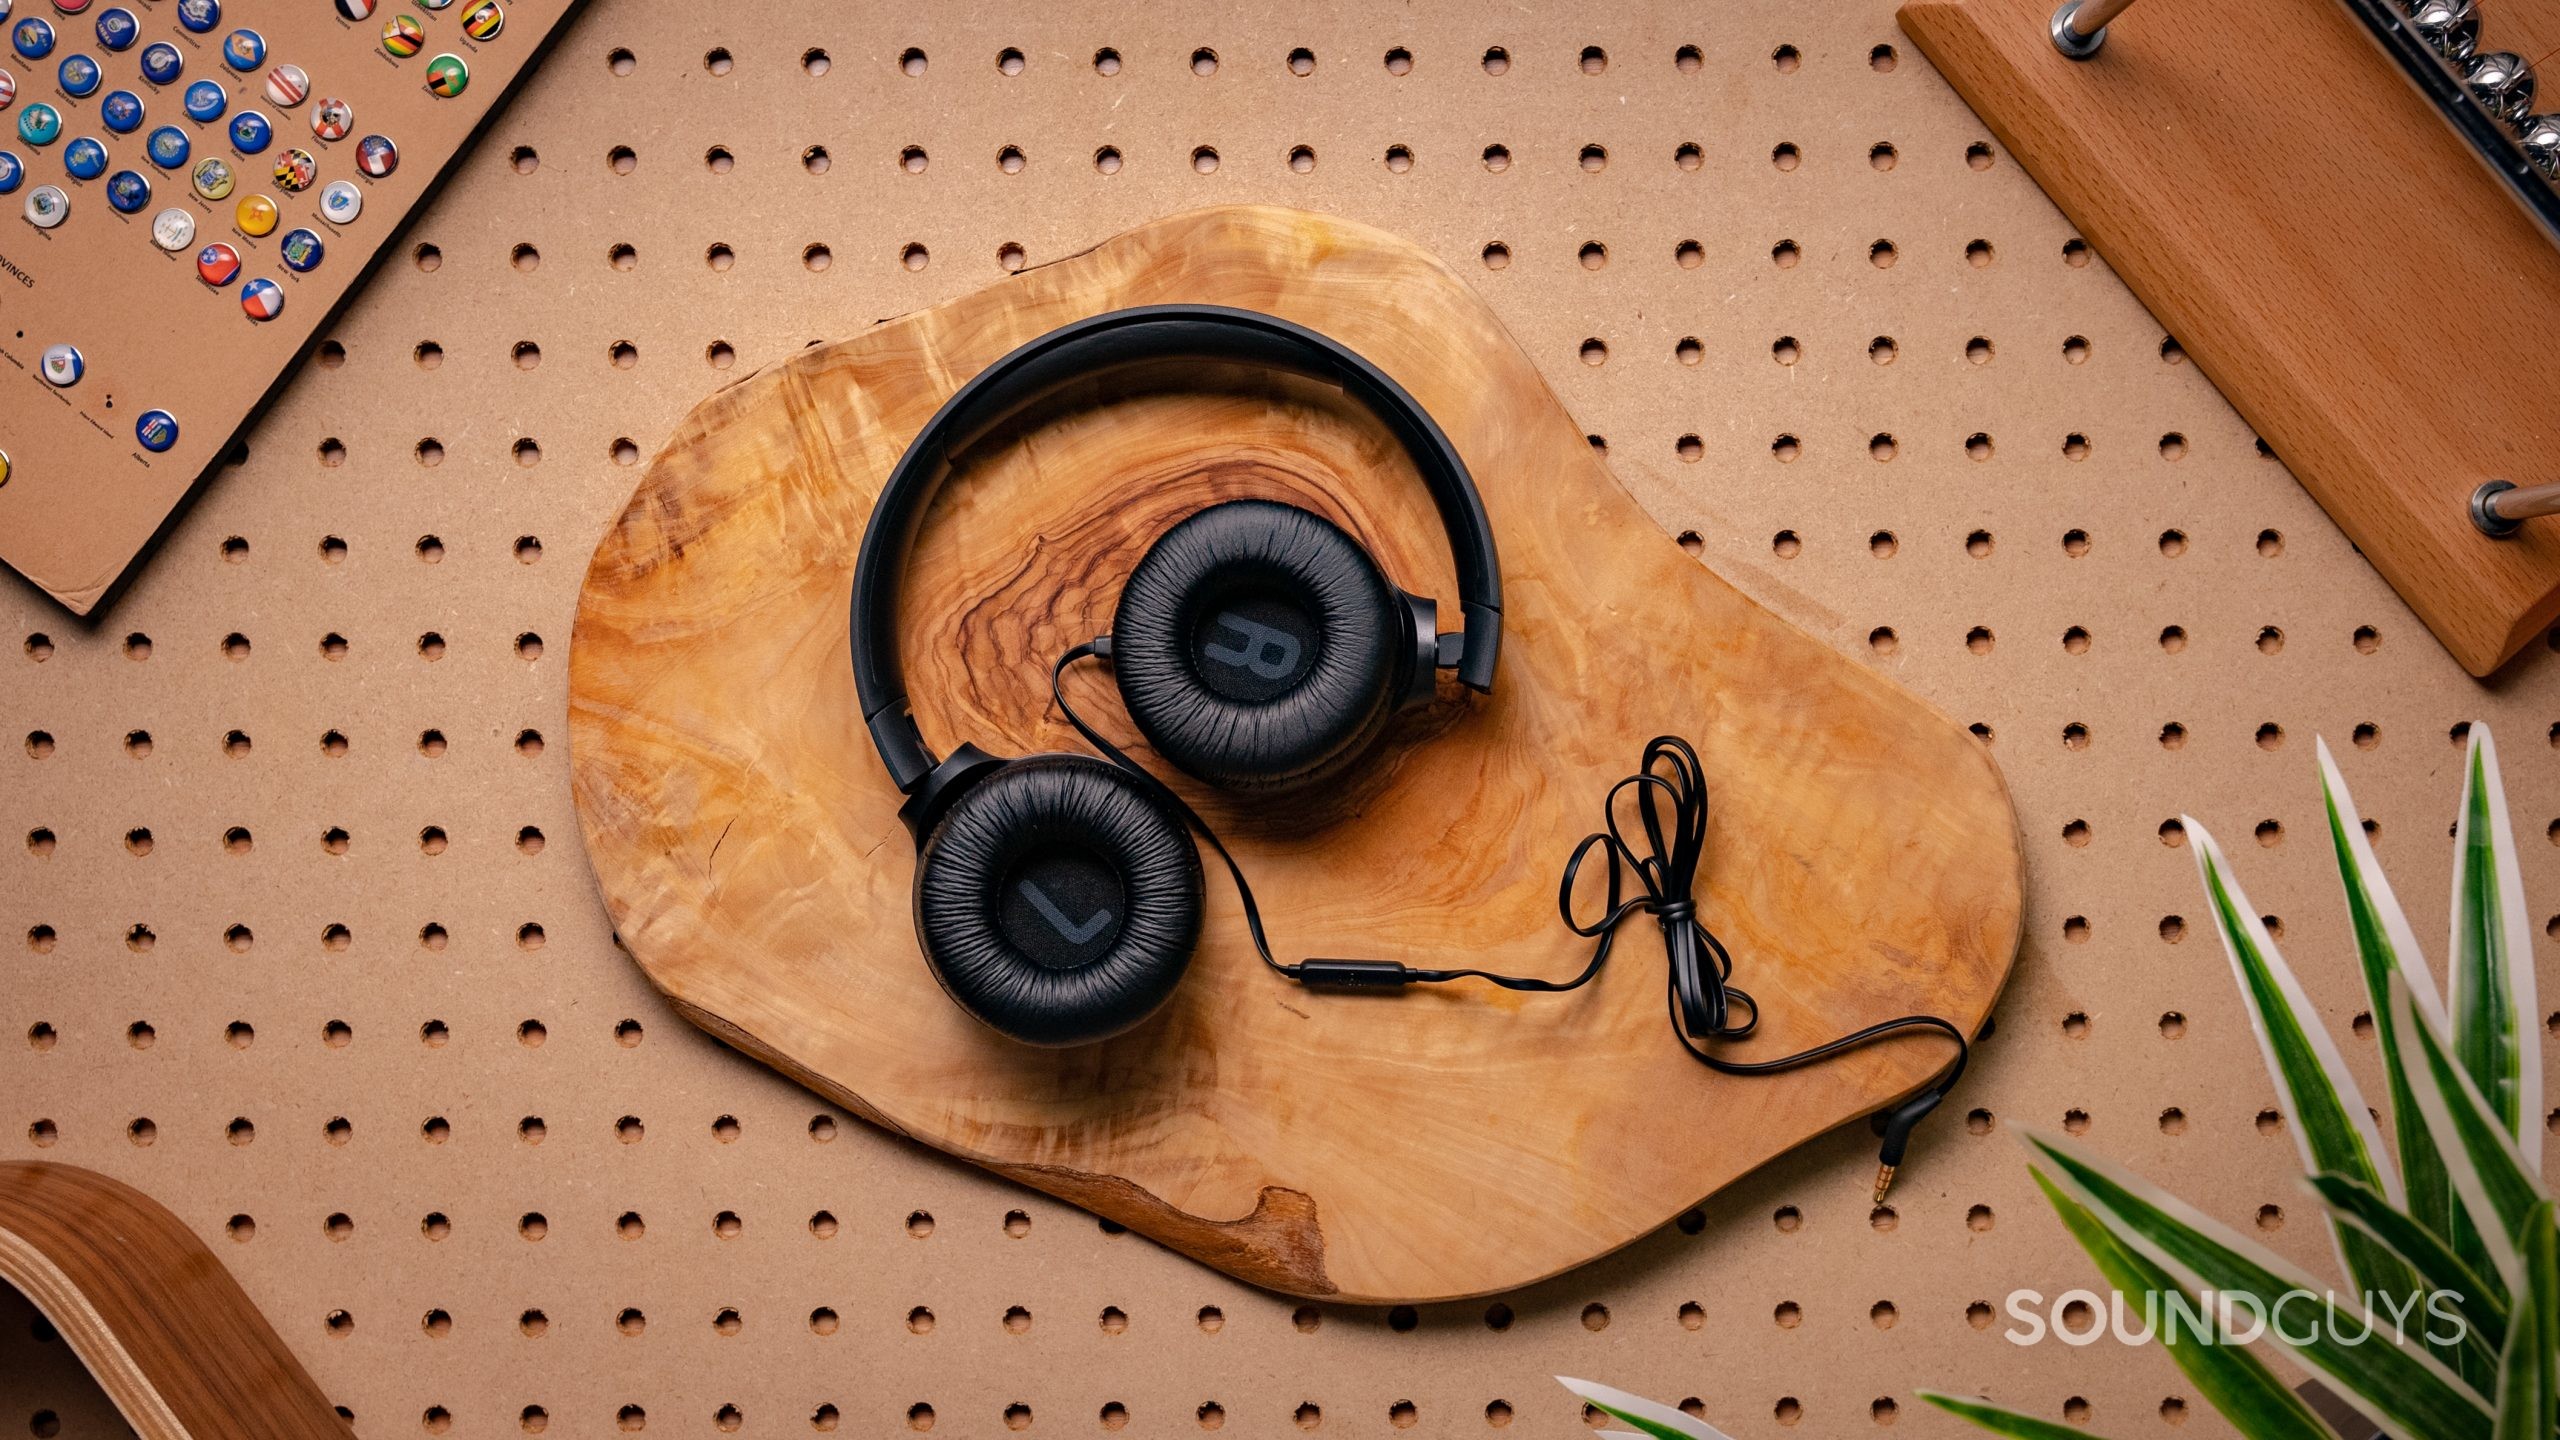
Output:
x,y
444,1260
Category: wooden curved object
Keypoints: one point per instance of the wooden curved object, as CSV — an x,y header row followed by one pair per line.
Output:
x,y
166,1331
1863,861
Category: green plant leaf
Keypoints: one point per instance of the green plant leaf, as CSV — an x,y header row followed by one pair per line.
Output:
x,y
2411,1394
2482,1301
2386,946
2235,1382
2005,1422
2331,1125
2492,953
1649,1417
2529,1367
2487,1169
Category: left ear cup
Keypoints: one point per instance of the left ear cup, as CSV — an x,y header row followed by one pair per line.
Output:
x,y
1257,645
1057,901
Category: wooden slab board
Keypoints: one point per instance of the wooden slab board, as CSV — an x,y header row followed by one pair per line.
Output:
x,y
1863,859
2325,246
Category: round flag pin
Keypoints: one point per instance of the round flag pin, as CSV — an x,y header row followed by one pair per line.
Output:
x,y
447,76
12,171
256,215
32,37
301,250
85,158
168,147
173,229
262,298
205,101
244,50
485,20
332,118
341,202
46,205
8,89
403,35
128,191
213,178
161,62
435,4
295,170
4,467
61,365
71,7
217,264
121,111
39,124
251,132
356,9
200,16
79,76
117,29
287,85
377,156
156,430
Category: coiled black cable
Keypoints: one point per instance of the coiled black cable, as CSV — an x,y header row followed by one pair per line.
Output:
x,y
1704,1001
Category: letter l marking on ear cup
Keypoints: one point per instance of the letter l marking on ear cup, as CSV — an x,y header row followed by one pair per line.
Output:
x,y
1049,911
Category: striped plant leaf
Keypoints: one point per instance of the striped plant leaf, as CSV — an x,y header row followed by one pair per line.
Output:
x,y
2492,955
2488,1171
2235,1382
1659,1421
2482,1300
2386,946
2529,1367
2411,1394
2331,1125
2005,1422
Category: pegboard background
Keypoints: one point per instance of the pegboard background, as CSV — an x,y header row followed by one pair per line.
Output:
x,y
295,933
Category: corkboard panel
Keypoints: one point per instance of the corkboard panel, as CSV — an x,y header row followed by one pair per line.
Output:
x,y
1790,1273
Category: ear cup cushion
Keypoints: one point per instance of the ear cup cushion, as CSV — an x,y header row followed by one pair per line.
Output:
x,y
1057,901
1260,548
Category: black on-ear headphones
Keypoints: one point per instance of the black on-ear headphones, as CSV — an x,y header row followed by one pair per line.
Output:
x,y
1256,645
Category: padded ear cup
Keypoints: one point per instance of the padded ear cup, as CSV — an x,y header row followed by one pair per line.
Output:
x,y
1258,645
1058,901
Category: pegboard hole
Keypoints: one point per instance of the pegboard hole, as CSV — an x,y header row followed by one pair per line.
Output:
x,y
2173,446
1106,61
43,1134
1302,159
1302,62
1883,545
2271,736
2075,446
2075,641
1786,545
1204,62
1786,351
1883,641
1204,161
1114,1320
2367,735
1785,449
428,258
1786,156
1882,350
1497,61
1882,254
719,355
1882,155
1978,350
623,257
1786,254
40,843
1788,1315
720,258
718,160
1399,61
1594,255
911,62
1595,158
1689,156
622,159
1017,1224
1787,59
1881,447
1978,155
1690,350
913,160
1883,60
1010,160
1979,640
1009,61
1497,256
620,62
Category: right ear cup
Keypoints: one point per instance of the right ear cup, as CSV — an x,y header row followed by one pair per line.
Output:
x,y
1057,900
1257,645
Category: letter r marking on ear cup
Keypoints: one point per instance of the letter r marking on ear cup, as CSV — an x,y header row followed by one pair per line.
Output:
x,y
1259,640
1072,933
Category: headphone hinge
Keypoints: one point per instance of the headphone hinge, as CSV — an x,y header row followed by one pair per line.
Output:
x,y
941,785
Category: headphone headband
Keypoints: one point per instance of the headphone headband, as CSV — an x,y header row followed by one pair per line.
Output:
x,y
1075,352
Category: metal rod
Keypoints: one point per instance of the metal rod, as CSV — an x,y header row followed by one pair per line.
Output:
x,y
2499,508
2080,26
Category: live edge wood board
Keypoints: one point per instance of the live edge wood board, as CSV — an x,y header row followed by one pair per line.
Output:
x,y
2326,248
1863,860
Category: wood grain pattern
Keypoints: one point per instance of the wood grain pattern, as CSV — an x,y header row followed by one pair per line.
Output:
x,y
1863,859
2326,248
164,1328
